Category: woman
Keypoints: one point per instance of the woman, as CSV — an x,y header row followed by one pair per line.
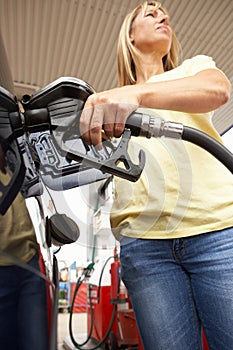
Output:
x,y
175,223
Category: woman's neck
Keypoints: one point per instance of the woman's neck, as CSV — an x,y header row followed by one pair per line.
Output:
x,y
147,67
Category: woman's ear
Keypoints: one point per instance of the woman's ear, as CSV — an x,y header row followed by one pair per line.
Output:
x,y
131,37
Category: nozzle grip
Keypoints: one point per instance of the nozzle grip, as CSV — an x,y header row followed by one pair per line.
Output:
x,y
134,123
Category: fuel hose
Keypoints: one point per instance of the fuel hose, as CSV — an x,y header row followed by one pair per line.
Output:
x,y
211,145
153,126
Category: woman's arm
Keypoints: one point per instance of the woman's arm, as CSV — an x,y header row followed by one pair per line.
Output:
x,y
200,93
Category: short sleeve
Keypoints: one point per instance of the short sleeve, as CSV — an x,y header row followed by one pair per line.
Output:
x,y
188,68
198,63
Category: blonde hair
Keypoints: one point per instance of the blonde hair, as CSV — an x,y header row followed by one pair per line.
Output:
x,y
128,56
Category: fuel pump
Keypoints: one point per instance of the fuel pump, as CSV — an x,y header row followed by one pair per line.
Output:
x,y
116,297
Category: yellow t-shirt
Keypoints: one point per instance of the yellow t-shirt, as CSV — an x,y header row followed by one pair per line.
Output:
x,y
17,235
183,190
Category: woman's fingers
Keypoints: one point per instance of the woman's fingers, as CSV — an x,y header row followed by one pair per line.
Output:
x,y
104,111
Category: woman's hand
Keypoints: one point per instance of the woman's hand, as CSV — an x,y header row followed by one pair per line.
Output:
x,y
107,111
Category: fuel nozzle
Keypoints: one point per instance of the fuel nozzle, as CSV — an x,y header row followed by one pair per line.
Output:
x,y
153,126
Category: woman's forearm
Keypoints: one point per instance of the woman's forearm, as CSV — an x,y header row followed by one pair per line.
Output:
x,y
201,93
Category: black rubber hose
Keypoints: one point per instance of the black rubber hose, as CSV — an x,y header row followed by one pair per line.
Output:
x,y
53,343
100,342
79,345
211,145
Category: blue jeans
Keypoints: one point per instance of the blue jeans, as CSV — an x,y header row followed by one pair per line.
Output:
x,y
23,309
178,286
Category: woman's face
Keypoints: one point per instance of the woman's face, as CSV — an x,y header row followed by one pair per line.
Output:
x,y
151,31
